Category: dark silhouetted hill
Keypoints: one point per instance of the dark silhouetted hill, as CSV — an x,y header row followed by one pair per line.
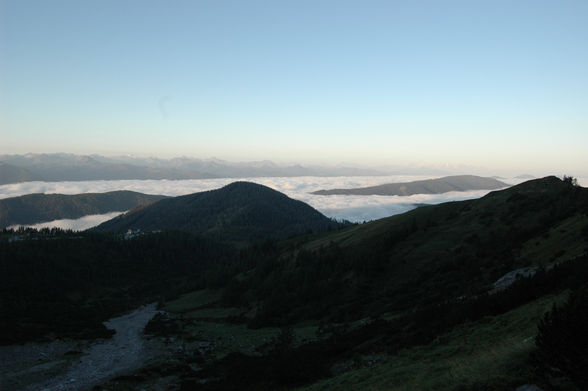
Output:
x,y
241,211
428,186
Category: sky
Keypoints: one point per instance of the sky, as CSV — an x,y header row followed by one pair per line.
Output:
x,y
495,84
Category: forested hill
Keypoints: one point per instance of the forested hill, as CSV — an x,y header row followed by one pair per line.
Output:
x,y
69,283
428,186
36,208
240,212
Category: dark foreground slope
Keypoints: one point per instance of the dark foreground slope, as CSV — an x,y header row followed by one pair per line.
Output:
x,y
241,211
36,208
428,186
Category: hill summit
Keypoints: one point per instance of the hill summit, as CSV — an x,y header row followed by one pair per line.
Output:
x,y
240,211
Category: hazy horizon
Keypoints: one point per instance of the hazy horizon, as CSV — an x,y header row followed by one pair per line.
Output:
x,y
431,170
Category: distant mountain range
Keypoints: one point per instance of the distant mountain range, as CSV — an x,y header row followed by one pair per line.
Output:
x,y
428,186
239,212
35,208
69,167
14,174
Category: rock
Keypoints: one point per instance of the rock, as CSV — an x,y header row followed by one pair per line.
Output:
x,y
510,277
529,387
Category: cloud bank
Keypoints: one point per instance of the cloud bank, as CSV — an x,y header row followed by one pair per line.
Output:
x,y
80,224
352,208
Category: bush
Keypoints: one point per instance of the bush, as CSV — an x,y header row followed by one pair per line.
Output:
x,y
570,180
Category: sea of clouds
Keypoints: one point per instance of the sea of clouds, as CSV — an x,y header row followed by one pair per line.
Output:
x,y
80,224
342,207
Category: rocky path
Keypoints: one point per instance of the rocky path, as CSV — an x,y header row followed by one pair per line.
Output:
x,y
100,361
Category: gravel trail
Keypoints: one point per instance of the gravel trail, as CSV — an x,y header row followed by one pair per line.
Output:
x,y
102,360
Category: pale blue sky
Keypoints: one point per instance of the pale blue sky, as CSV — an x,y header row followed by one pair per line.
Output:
x,y
494,84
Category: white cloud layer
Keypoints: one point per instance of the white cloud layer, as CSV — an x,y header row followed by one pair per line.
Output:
x,y
74,224
353,208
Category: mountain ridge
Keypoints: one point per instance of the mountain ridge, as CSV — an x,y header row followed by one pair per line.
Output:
x,y
427,186
70,167
238,211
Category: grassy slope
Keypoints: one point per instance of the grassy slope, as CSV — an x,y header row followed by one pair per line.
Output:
x,y
565,240
455,226
449,250
490,354
201,319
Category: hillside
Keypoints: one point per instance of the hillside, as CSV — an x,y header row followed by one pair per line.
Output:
x,y
428,186
446,250
408,301
35,208
241,212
